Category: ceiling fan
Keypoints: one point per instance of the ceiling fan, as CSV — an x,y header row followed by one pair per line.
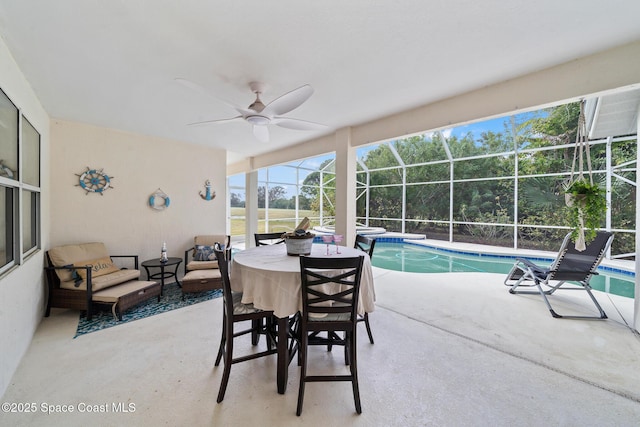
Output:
x,y
260,116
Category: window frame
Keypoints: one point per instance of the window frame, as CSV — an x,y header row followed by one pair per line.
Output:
x,y
18,194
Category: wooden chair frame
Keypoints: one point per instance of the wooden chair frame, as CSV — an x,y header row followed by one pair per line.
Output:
x,y
261,238
262,322
330,288
365,244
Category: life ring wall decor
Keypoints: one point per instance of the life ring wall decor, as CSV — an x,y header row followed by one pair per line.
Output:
x,y
94,181
159,200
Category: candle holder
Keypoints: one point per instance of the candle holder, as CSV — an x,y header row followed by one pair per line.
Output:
x,y
163,253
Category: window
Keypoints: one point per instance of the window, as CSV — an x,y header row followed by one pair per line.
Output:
x,y
8,138
30,220
19,185
30,154
237,199
6,222
31,182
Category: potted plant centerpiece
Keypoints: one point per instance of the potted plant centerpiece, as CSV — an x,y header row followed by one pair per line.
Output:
x,y
300,241
586,206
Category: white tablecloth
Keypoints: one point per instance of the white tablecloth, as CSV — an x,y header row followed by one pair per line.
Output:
x,y
270,279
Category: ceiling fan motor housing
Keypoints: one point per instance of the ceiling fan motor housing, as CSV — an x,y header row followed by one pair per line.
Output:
x,y
258,120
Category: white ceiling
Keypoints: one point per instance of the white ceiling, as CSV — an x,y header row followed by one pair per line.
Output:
x,y
114,63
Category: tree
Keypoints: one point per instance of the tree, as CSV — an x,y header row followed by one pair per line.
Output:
x,y
275,193
236,201
558,126
310,190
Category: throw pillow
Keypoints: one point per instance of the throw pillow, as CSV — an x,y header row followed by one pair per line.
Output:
x,y
100,267
74,274
204,253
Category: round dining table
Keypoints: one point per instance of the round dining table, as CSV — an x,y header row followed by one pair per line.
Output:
x,y
270,280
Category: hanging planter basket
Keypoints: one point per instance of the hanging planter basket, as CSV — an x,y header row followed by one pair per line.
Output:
x,y
586,204
586,201
571,199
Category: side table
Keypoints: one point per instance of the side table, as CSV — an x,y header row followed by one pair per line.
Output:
x,y
164,273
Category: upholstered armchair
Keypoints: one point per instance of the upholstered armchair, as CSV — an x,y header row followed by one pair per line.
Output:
x,y
201,272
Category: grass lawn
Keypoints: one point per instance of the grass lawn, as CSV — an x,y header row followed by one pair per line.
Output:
x,y
279,220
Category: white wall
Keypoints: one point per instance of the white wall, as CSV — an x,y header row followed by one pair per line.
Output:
x,y
22,288
138,165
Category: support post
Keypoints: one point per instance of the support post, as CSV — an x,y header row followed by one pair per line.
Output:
x,y
345,187
251,208
636,302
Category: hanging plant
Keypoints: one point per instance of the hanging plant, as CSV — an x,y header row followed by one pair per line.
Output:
x,y
586,201
586,207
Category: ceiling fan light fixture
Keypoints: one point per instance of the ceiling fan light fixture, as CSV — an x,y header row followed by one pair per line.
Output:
x,y
260,116
258,120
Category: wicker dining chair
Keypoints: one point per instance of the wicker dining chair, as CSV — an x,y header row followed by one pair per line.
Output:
x,y
234,311
365,244
329,304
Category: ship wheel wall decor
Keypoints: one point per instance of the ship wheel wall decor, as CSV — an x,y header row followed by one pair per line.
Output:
x,y
94,181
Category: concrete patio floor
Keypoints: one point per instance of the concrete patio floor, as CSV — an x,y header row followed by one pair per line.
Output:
x,y
453,349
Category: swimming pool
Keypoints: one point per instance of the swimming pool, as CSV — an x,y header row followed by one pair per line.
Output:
x,y
399,256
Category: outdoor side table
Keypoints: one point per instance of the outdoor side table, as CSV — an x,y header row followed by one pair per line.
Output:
x,y
164,273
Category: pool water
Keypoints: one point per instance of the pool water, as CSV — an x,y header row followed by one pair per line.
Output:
x,y
423,259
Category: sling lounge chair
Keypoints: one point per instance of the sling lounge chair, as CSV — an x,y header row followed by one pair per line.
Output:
x,y
571,270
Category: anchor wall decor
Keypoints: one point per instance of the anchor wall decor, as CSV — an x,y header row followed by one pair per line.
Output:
x,y
209,193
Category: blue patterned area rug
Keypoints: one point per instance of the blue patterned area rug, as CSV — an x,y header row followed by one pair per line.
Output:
x,y
171,300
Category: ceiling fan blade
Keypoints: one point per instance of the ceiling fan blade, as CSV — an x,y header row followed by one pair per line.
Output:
x,y
261,133
289,101
210,122
245,111
191,85
297,124
201,89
